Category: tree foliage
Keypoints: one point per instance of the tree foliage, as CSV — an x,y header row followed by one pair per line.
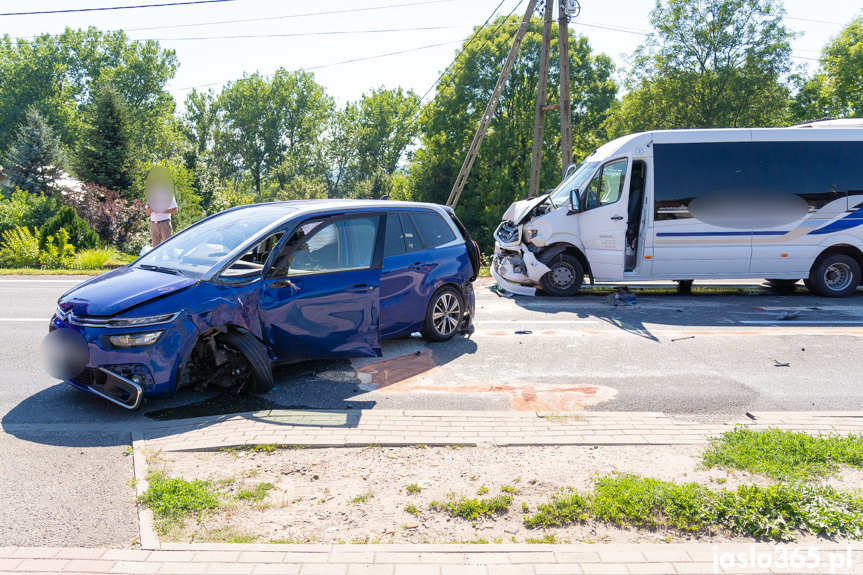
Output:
x,y
106,157
709,64
36,160
836,90
80,234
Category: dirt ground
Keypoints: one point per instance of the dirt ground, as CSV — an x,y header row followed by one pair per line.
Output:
x,y
314,491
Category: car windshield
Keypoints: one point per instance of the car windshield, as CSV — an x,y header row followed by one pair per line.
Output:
x,y
197,250
576,180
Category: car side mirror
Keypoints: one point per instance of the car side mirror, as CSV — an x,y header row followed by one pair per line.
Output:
x,y
575,201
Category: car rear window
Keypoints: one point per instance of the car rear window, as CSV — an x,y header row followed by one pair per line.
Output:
x,y
433,229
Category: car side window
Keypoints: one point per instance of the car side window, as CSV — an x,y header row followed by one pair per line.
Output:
x,y
412,238
252,263
394,244
337,246
433,229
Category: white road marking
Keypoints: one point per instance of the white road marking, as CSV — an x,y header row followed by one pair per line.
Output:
x,y
791,322
76,281
532,321
46,320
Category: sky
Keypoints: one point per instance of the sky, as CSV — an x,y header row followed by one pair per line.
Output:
x,y
429,31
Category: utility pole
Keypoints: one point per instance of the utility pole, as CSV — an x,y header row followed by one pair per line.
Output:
x,y
487,116
539,122
565,104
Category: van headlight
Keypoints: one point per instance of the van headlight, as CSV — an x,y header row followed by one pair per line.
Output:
x,y
135,339
532,234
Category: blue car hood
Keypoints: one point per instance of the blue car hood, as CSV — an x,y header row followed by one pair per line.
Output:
x,y
120,290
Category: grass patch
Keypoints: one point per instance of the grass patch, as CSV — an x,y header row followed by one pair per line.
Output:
x,y
226,535
172,500
412,509
784,455
41,272
547,538
413,489
482,490
509,489
775,512
473,508
363,497
265,448
561,510
256,493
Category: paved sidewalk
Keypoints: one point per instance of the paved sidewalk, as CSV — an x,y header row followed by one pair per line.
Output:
x,y
431,559
403,428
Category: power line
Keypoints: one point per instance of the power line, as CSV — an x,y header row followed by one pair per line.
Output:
x,y
294,34
367,9
351,61
70,10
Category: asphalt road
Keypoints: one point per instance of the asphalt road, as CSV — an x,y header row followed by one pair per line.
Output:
x,y
719,352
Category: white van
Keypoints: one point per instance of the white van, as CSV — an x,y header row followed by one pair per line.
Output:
x,y
778,203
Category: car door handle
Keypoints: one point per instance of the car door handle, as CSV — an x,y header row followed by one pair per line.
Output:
x,y
616,218
279,284
417,266
360,288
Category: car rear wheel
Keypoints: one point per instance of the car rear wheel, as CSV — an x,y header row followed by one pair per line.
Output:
x,y
260,374
836,275
443,315
565,276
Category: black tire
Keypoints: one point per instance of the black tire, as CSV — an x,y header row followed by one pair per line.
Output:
x,y
444,314
835,275
565,277
256,356
782,285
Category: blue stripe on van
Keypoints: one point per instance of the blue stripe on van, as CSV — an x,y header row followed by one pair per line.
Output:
x,y
852,220
747,233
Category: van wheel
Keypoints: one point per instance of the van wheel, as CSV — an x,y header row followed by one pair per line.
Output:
x,y
261,380
565,276
836,275
443,315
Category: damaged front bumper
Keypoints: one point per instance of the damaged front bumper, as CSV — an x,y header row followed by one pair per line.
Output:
x,y
515,266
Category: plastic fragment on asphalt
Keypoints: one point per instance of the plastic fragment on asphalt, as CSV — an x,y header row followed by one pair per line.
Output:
x,y
524,332
622,297
780,364
786,315
682,338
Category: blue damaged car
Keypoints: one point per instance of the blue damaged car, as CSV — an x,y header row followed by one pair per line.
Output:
x,y
221,303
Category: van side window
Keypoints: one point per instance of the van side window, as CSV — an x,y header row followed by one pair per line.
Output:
x,y
606,186
813,171
432,228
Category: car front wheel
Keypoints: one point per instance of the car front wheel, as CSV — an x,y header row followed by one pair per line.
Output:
x,y
443,315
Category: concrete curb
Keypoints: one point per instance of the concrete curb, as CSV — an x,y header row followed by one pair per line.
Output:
x,y
149,538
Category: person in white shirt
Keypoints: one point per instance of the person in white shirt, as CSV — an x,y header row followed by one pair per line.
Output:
x,y
160,186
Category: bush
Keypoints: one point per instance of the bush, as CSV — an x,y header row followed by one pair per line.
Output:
x,y
117,220
58,252
80,235
20,248
22,208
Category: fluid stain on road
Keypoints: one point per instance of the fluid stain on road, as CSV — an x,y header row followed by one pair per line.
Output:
x,y
412,373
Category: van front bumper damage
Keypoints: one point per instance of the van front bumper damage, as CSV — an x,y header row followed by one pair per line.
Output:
x,y
515,265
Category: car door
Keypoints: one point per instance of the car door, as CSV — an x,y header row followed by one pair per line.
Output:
x,y
403,277
322,298
602,224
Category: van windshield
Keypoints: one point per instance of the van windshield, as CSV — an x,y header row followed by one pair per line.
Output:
x,y
577,180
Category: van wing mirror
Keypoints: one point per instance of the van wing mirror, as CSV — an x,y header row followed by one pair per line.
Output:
x,y
575,201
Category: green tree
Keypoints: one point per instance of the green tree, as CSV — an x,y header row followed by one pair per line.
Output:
x,y
58,74
273,127
707,64
501,172
836,90
36,159
106,157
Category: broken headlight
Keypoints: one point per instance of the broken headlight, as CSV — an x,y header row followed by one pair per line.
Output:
x,y
135,339
507,232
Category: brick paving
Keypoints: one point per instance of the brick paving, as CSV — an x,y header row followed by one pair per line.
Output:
x,y
537,559
404,428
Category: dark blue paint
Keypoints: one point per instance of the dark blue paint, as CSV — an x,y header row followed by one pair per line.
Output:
x,y
319,316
